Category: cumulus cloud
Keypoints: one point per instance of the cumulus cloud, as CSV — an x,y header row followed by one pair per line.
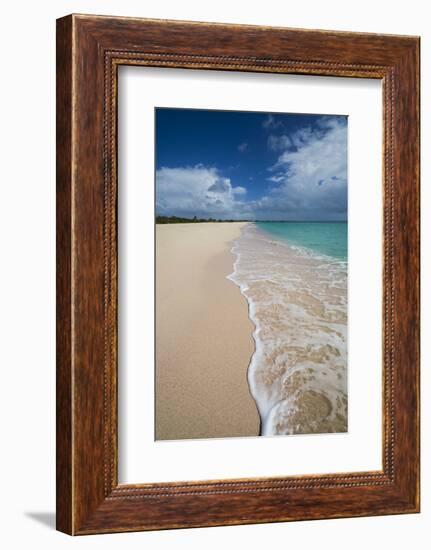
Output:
x,y
310,174
221,185
308,181
278,143
270,122
197,191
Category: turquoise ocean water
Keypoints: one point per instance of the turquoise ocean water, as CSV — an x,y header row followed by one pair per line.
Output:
x,y
294,277
328,238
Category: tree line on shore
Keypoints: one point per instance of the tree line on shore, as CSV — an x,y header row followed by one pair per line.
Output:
x,y
195,219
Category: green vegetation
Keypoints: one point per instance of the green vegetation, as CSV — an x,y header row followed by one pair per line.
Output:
x,y
176,219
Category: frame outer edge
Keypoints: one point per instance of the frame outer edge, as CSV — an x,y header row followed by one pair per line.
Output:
x,y
64,367
81,506
407,280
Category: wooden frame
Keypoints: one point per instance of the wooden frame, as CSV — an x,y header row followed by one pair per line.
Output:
x,y
89,51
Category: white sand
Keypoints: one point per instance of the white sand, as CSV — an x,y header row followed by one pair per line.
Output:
x,y
203,335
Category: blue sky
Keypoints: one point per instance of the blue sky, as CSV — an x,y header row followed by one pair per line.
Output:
x,y
251,165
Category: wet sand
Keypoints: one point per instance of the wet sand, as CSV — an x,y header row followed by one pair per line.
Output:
x,y
203,336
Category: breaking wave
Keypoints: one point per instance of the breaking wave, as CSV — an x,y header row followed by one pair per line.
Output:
x,y
298,304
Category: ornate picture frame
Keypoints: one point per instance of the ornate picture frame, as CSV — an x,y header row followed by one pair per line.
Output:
x,y
89,51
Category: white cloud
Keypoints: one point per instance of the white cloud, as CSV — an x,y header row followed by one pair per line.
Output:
x,y
242,147
199,191
270,122
278,143
277,178
309,181
311,174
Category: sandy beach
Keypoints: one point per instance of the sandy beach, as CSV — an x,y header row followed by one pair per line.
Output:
x,y
203,335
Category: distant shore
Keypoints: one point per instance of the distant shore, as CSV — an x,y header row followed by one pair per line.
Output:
x,y
195,219
203,335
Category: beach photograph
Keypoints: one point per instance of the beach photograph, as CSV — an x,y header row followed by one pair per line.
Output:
x,y
251,265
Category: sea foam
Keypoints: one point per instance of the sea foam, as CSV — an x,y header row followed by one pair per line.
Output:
x,y
298,304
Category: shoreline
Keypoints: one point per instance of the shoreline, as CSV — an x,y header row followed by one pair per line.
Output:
x,y
297,374
204,335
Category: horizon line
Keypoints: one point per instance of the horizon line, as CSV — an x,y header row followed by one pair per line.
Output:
x,y
248,220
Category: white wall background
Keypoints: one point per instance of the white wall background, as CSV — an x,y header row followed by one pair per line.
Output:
x,y
27,245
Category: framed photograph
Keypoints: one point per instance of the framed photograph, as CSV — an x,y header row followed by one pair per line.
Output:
x,y
237,274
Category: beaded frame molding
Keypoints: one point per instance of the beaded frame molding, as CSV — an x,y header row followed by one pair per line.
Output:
x,y
89,51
